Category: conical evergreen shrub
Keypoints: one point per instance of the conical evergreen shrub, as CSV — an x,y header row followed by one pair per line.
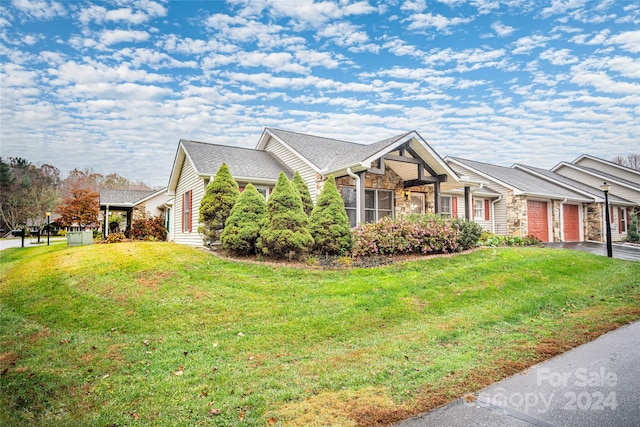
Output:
x,y
285,233
303,190
243,226
220,196
329,223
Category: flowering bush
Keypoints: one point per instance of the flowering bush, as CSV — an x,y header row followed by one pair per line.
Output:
x,y
407,234
149,228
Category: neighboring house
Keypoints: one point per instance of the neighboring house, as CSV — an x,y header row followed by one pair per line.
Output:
x,y
396,175
624,182
131,204
525,204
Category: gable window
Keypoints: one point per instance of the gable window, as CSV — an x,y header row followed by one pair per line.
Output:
x,y
186,211
264,191
377,204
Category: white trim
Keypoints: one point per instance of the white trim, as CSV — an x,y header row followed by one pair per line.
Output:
x,y
609,178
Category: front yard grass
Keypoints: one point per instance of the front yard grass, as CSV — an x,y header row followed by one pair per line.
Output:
x,y
161,334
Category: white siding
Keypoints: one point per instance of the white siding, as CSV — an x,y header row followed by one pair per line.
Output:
x,y
188,180
295,164
610,169
619,190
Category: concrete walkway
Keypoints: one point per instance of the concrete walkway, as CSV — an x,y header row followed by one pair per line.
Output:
x,y
622,251
594,385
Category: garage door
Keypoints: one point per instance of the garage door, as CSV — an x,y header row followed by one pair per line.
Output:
x,y
571,223
538,220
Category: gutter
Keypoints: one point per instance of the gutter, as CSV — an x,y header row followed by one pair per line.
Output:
x,y
493,214
357,178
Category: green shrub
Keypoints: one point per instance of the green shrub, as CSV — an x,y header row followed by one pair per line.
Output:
x,y
490,239
243,226
302,188
470,233
220,196
329,223
632,233
285,233
115,238
149,228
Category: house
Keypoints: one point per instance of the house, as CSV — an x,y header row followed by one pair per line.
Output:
x,y
131,205
396,175
524,204
403,174
624,182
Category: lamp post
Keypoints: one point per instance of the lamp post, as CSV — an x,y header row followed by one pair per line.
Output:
x,y
48,226
605,188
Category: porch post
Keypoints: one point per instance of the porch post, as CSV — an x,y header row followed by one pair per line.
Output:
x,y
106,221
436,197
360,196
467,202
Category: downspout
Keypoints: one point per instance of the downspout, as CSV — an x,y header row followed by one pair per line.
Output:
x,y
561,215
493,214
357,178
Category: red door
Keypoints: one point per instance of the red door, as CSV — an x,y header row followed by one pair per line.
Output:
x,y
571,223
538,220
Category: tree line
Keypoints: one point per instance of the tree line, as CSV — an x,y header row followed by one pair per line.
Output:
x,y
28,192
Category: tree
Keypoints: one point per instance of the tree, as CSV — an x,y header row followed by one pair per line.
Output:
x,y
80,208
285,232
215,207
329,223
247,217
631,161
632,234
303,190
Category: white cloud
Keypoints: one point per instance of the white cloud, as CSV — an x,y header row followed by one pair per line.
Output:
x,y
423,21
558,57
628,40
110,37
344,34
559,7
39,9
525,45
502,30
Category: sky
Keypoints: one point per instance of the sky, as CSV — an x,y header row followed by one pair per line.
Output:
x,y
112,86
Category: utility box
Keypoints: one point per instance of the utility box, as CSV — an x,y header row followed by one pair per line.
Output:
x,y
79,238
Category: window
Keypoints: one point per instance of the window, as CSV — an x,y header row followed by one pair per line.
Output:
x,y
377,204
481,209
186,211
622,220
349,199
417,203
445,206
264,191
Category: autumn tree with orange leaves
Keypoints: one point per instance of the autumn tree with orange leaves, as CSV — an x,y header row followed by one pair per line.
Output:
x,y
79,208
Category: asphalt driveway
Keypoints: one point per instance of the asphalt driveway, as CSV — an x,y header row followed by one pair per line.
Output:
x,y
621,251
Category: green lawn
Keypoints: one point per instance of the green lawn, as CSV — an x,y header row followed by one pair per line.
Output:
x,y
161,334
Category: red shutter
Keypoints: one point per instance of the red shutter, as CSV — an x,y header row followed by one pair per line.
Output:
x,y
190,212
241,189
184,211
487,214
454,207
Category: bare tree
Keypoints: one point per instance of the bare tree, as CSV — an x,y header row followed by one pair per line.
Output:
x,y
631,161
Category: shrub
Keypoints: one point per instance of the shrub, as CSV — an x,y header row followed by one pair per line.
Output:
x,y
329,223
490,239
149,228
220,196
302,188
470,233
285,232
632,233
115,238
407,234
243,226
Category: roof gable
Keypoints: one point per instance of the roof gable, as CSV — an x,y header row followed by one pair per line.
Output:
x,y
109,196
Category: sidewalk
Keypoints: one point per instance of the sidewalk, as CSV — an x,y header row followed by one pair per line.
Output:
x,y
594,385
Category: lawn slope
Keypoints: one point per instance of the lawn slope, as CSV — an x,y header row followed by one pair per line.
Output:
x,y
161,334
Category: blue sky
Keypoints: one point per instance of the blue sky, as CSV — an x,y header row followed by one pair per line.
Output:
x,y
113,86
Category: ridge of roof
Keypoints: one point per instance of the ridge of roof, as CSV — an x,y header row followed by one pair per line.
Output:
x,y
608,162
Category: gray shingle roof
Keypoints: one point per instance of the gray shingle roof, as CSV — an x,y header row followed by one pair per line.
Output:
x,y
573,183
123,197
329,154
609,176
243,162
523,181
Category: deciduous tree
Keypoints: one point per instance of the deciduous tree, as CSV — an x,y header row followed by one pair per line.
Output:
x,y
79,208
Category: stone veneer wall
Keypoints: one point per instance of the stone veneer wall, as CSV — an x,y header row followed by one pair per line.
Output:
x,y
593,222
387,181
517,225
556,208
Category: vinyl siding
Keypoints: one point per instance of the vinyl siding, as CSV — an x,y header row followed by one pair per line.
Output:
x,y
188,180
611,170
295,164
620,191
